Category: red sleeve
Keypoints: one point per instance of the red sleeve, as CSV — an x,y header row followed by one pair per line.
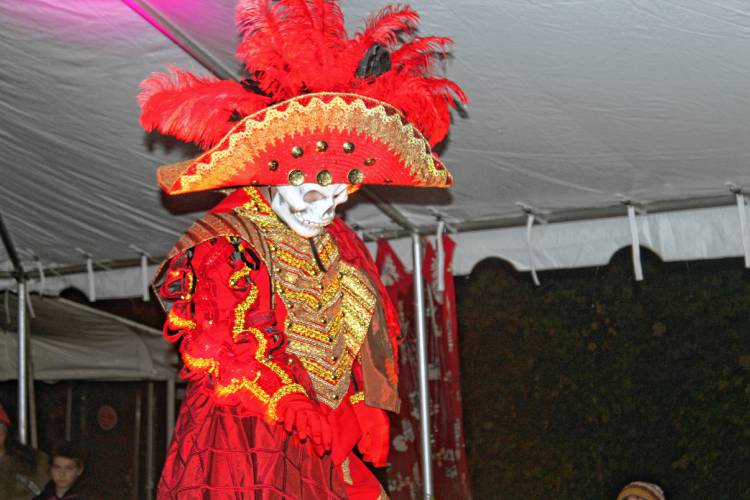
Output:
x,y
221,309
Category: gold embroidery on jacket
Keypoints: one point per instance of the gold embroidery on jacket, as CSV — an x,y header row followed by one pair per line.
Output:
x,y
328,312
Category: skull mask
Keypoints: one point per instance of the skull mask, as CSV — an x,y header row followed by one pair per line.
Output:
x,y
309,207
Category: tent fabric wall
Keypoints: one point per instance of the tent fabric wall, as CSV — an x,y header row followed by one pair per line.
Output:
x,y
70,341
709,233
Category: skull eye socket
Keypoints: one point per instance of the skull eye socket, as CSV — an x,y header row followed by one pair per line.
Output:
x,y
313,196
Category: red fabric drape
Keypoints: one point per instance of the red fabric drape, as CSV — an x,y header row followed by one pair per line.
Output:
x,y
450,466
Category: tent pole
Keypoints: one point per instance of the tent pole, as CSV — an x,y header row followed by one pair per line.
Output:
x,y
150,440
170,408
22,372
20,276
424,392
137,445
69,411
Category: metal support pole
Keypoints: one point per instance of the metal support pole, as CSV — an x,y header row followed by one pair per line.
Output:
x,y
170,408
69,412
22,387
424,388
20,276
150,399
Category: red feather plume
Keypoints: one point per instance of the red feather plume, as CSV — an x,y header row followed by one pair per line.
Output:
x,y
294,47
194,109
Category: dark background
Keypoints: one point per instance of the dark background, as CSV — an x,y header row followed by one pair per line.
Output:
x,y
592,380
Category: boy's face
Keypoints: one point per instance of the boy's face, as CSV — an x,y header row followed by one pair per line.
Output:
x,y
64,472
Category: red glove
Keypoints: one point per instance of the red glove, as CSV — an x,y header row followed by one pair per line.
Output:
x,y
302,416
347,432
375,428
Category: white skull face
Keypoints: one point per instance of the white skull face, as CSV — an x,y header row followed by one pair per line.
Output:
x,y
309,207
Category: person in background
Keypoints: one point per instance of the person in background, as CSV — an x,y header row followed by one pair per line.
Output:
x,y
639,490
22,469
66,466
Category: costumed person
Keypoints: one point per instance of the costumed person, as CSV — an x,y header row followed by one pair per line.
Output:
x,y
23,470
286,333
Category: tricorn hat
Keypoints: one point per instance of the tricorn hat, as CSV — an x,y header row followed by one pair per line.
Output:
x,y
319,106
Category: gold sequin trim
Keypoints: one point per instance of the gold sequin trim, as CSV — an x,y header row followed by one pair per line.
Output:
x,y
358,305
209,365
243,384
236,276
284,391
331,376
357,397
239,328
240,311
179,322
309,268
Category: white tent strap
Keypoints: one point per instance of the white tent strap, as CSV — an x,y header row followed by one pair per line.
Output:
x,y
42,278
635,244
529,224
440,256
144,277
744,233
92,283
29,305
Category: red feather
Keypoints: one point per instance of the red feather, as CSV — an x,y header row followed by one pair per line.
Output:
x,y
192,108
385,26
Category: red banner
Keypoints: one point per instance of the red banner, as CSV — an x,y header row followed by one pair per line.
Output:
x,y
450,466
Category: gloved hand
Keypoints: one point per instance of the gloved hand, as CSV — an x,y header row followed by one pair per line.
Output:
x,y
301,416
375,428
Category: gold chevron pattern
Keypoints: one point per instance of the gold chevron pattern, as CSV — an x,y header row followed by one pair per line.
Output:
x,y
328,310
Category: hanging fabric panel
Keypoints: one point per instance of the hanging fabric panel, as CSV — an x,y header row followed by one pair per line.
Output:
x,y
450,466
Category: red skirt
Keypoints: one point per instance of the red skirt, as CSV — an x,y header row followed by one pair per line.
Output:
x,y
221,453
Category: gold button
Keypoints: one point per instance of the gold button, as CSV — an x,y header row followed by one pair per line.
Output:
x,y
297,151
330,338
335,397
325,321
324,177
296,177
334,358
356,176
348,147
370,161
273,165
321,146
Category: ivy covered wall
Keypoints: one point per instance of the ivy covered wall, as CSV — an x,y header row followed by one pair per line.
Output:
x,y
592,380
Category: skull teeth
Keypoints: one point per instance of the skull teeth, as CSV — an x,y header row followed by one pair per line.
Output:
x,y
310,223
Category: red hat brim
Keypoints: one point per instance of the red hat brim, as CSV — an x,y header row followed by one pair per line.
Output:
x,y
323,138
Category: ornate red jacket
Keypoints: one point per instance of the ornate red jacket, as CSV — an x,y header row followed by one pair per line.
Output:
x,y
263,313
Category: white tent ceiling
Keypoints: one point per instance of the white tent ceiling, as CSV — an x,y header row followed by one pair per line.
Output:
x,y
573,106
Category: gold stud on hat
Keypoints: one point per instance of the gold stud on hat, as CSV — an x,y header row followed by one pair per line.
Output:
x,y
321,146
297,151
348,147
324,177
296,177
356,176
273,165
